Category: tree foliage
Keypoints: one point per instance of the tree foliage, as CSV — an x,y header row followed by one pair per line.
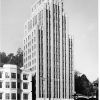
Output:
x,y
83,85
11,58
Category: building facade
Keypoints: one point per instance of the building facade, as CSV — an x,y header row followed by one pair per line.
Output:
x,y
71,70
48,51
26,86
10,82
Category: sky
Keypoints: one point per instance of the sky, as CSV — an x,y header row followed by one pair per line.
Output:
x,y
83,25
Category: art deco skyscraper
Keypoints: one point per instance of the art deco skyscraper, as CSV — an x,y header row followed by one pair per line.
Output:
x,y
47,50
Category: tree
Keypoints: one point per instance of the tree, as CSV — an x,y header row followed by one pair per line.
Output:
x,y
11,58
85,85
19,52
19,57
78,83
82,84
3,58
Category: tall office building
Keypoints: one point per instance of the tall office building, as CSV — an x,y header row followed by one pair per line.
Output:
x,y
48,50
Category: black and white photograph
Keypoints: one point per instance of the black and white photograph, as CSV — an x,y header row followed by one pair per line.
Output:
x,y
49,50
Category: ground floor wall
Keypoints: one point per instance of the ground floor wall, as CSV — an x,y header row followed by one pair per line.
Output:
x,y
52,99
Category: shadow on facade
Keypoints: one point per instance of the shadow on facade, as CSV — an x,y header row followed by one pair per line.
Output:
x,y
34,87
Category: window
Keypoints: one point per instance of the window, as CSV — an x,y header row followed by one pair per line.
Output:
x,y
24,41
24,54
13,85
13,75
25,32
35,19
32,48
28,37
39,16
26,65
13,96
0,84
33,22
24,47
18,76
25,77
18,96
34,53
32,40
18,85
25,96
0,95
32,33
26,58
25,85
28,44
25,26
7,85
7,96
29,63
6,75
33,61
0,74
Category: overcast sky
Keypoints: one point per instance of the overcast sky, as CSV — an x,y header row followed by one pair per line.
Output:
x,y
83,25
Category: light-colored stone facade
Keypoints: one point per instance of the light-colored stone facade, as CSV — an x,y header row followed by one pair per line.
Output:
x,y
10,82
47,50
